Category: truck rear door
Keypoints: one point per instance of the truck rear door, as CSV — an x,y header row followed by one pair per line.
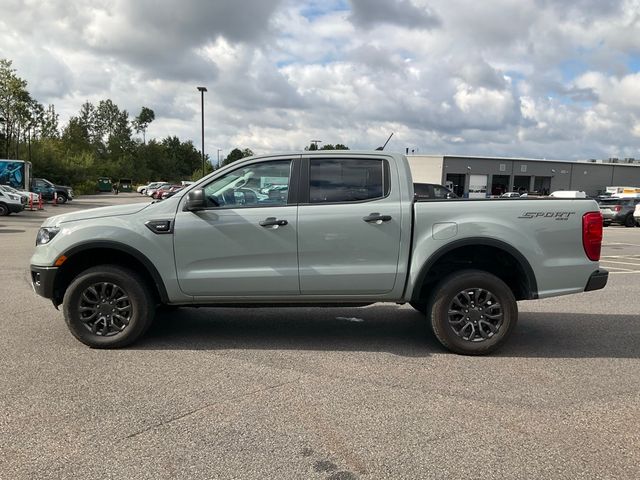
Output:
x,y
349,226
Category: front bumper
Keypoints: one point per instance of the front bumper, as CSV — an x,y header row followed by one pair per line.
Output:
x,y
43,280
597,280
15,207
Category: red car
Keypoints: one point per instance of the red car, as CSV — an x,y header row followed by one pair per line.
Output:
x,y
166,188
172,191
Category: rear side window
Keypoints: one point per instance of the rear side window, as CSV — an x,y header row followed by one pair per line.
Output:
x,y
347,180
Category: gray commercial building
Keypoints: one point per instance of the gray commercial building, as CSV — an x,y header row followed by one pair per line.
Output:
x,y
482,176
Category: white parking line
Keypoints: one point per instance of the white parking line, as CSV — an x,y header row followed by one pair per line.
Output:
x,y
618,268
615,243
623,263
636,272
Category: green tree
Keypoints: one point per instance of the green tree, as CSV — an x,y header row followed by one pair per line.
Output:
x,y
49,123
235,155
142,121
15,110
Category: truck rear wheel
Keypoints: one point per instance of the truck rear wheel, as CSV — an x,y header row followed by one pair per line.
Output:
x,y
108,306
473,312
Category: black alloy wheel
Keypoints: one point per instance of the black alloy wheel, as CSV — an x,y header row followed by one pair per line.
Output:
x,y
105,309
108,306
473,312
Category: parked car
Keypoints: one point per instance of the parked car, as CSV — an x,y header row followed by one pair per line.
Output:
x,y
47,189
568,194
171,192
346,230
10,203
431,191
144,188
152,190
618,210
510,195
163,189
25,196
636,215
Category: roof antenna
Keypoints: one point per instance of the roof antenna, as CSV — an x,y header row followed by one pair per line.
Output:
x,y
385,143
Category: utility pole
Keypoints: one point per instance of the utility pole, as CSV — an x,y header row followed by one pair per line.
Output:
x,y
202,90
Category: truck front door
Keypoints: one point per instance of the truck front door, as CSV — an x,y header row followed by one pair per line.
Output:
x,y
245,242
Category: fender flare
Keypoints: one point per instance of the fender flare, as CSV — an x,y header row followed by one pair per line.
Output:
x,y
530,278
112,245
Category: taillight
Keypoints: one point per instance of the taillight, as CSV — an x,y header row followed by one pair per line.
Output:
x,y
592,235
617,208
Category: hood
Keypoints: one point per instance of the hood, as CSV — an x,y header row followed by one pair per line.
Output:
x,y
101,212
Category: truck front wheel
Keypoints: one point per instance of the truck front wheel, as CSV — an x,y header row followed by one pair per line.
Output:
x,y
108,306
473,312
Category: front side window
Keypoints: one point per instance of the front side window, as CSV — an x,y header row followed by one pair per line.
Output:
x,y
352,180
257,185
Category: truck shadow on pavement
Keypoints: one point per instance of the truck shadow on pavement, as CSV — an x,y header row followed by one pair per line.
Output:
x,y
400,331
389,328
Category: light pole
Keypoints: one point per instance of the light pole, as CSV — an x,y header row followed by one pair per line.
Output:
x,y
202,90
315,142
218,164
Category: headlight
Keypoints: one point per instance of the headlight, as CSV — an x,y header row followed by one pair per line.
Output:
x,y
13,197
46,234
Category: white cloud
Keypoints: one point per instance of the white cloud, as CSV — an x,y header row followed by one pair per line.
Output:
x,y
544,78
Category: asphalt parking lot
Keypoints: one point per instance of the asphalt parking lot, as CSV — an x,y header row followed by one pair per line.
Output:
x,y
339,393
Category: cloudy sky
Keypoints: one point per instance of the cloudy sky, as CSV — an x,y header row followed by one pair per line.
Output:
x,y
538,78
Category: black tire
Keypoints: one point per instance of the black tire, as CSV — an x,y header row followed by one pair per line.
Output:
x,y
629,221
420,306
62,198
105,331
4,210
492,312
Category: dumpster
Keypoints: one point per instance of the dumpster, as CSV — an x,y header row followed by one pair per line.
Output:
x,y
125,185
104,184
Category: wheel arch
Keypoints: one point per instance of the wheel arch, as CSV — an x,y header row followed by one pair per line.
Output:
x,y
86,255
477,253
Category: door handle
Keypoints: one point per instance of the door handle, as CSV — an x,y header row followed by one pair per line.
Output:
x,y
376,218
273,222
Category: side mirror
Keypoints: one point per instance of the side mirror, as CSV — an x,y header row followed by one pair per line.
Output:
x,y
195,201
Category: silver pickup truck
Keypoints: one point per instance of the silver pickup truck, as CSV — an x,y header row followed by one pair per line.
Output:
x,y
323,229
